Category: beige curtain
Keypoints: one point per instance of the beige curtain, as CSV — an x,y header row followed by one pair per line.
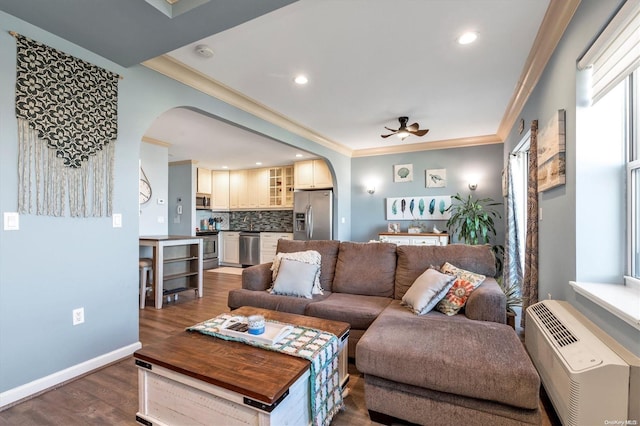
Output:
x,y
530,281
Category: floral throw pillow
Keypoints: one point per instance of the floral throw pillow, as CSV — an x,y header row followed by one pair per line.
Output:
x,y
457,296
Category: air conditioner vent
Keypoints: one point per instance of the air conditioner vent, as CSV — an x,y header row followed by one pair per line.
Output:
x,y
558,331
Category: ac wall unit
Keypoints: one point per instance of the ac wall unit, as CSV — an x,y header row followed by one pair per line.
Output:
x,y
587,382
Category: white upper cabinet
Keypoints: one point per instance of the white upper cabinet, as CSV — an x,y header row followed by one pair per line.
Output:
x,y
203,181
312,174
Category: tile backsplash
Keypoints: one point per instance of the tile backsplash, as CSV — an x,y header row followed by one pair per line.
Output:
x,y
263,220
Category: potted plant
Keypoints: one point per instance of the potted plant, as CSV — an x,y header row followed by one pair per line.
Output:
x,y
514,299
472,220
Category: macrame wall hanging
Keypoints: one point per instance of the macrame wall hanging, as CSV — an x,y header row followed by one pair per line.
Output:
x,y
67,128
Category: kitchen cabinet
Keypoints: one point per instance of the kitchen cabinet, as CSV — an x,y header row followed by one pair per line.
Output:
x,y
269,244
280,186
230,248
203,181
262,188
421,239
242,189
249,189
312,174
219,190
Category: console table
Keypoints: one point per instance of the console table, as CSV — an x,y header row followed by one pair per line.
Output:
x,y
177,264
416,239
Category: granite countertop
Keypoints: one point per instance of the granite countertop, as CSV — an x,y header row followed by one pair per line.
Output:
x,y
257,230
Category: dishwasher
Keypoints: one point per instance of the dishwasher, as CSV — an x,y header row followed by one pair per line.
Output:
x,y
249,248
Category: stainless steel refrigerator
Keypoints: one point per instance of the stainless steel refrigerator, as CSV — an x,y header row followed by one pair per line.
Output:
x,y
313,215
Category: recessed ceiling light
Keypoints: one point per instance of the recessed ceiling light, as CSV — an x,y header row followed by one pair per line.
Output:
x,y
225,167
301,79
299,155
468,37
258,163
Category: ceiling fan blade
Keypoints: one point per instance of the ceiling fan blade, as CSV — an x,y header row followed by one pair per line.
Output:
x,y
386,136
421,132
391,130
413,128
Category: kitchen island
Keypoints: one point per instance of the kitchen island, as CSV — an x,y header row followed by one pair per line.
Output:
x,y
177,265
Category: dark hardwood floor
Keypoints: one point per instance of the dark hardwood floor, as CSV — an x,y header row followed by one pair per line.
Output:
x,y
109,396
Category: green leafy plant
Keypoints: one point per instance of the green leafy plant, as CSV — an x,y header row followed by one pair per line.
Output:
x,y
473,220
512,292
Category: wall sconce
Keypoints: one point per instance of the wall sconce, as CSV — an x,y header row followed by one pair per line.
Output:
x,y
473,185
371,189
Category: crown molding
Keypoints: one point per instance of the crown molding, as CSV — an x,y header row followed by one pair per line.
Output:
x,y
426,146
155,141
554,24
180,72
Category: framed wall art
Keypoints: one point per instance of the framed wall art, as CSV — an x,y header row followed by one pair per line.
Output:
x,y
551,153
403,173
435,178
419,208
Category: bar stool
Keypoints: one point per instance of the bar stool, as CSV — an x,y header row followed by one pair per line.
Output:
x,y
145,266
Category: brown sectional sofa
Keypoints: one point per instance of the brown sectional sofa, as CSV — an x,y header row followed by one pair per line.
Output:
x,y
427,369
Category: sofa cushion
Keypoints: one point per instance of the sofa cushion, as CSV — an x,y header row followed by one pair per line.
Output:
x,y
310,256
426,291
414,260
263,299
328,250
359,311
295,279
477,359
366,269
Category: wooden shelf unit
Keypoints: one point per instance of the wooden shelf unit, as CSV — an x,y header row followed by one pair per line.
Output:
x,y
177,265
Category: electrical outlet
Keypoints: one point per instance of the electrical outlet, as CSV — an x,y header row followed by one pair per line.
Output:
x,y
78,316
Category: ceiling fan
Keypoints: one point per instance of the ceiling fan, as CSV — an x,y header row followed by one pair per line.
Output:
x,y
404,130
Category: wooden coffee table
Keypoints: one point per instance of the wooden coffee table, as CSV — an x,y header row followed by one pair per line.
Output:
x,y
191,378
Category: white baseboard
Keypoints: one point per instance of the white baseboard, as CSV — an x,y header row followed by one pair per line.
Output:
x,y
52,380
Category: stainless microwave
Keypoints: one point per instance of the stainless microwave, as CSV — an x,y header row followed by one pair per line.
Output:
x,y
203,202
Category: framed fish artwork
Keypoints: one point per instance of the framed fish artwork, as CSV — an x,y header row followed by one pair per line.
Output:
x,y
419,208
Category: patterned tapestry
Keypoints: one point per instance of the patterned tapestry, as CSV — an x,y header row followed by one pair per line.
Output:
x,y
67,127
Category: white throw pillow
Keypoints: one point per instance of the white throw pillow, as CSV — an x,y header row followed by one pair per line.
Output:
x,y
427,290
295,278
309,256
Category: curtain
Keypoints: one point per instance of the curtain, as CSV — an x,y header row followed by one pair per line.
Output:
x,y
67,127
515,238
530,281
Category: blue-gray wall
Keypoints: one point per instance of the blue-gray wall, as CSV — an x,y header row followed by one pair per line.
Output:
x,y
569,245
153,216
482,163
54,265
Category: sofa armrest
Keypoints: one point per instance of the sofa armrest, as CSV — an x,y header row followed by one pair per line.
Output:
x,y
487,303
257,277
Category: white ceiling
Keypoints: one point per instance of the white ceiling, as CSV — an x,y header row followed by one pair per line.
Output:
x,y
368,62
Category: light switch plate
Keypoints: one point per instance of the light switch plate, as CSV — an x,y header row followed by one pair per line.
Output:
x,y
117,220
11,221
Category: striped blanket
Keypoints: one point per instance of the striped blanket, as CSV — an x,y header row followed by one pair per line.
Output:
x,y
317,346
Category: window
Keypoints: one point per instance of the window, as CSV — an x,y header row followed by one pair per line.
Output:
x,y
612,64
633,177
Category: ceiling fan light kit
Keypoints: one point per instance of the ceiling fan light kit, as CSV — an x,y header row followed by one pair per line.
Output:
x,y
405,131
